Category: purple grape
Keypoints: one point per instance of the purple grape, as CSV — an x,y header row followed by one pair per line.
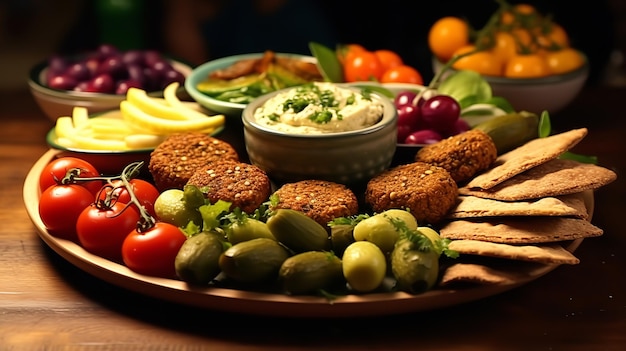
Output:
x,y
171,76
78,71
408,120
57,64
62,82
404,98
133,57
122,86
106,50
102,83
114,67
423,136
440,112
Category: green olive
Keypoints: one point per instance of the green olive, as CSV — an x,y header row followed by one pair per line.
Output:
x,y
415,270
431,234
364,266
381,230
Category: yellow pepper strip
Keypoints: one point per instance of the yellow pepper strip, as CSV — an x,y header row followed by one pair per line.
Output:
x,y
157,125
64,127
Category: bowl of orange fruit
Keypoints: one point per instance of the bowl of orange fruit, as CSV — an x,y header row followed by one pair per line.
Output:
x,y
524,55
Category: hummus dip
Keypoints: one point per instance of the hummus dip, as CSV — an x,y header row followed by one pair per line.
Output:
x,y
317,108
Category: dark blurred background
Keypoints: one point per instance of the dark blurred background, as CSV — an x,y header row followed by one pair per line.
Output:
x,y
196,31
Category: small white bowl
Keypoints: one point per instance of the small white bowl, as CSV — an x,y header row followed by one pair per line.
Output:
x,y
350,158
551,93
56,103
202,72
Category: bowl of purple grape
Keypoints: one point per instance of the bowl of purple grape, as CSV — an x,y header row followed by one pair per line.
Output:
x,y
99,79
424,116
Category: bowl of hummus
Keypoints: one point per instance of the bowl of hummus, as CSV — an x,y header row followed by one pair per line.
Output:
x,y
321,130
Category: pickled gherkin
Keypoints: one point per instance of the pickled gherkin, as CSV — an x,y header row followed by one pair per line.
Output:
x,y
197,259
253,261
310,271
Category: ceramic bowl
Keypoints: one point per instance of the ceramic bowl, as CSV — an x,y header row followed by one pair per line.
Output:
x,y
56,103
201,73
350,158
110,162
536,95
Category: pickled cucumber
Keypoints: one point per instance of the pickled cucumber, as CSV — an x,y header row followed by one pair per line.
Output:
x,y
197,259
297,231
310,271
511,130
253,261
381,229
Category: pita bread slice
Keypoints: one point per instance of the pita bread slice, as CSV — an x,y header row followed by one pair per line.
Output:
x,y
481,274
520,230
541,253
553,178
472,207
527,156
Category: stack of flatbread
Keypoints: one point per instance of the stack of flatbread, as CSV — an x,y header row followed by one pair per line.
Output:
x,y
523,214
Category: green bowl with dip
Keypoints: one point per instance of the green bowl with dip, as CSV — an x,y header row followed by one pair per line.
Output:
x,y
348,150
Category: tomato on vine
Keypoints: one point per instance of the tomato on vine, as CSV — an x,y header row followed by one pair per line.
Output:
x,y
145,192
526,66
564,60
60,206
152,251
55,173
483,62
102,227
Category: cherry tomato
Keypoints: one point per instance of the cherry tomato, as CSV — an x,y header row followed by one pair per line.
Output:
x,y
446,36
483,62
152,252
526,66
504,46
362,66
553,37
55,171
346,50
564,60
144,191
388,58
402,74
60,206
101,229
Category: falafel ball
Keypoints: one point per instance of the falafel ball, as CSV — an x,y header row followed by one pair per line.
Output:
x,y
463,155
319,199
428,191
244,185
174,160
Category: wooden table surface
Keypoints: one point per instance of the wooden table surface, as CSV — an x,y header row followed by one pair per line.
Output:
x,y
45,300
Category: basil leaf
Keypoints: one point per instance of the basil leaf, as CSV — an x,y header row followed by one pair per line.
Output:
x,y
545,127
327,62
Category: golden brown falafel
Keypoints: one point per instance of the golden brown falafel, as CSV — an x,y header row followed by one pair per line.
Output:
x,y
244,185
463,155
428,191
174,160
319,199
